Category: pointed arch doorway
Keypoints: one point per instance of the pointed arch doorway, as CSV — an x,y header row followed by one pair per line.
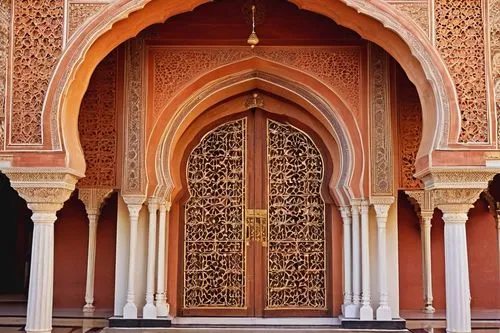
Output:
x,y
256,220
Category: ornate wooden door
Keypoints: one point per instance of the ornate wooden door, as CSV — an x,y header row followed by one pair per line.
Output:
x,y
254,222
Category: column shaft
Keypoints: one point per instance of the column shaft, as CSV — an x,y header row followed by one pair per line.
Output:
x,y
366,311
348,308
130,309
458,312
89,286
383,311
161,303
356,259
427,261
40,295
149,310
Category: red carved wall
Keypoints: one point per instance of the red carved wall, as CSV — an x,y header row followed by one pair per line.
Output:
x,y
70,255
98,125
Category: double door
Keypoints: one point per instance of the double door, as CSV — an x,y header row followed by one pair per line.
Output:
x,y
254,222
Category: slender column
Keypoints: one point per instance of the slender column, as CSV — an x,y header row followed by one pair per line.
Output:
x,y
93,199
425,227
348,308
149,310
384,311
162,306
366,311
89,286
39,312
356,260
458,312
134,205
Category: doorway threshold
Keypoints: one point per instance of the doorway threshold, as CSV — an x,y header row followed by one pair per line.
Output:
x,y
254,321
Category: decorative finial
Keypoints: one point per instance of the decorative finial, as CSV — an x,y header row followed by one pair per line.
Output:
x,y
253,39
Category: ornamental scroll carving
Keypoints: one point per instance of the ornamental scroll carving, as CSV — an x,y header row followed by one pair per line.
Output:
x,y
380,128
460,39
418,11
134,181
494,22
337,67
5,23
80,12
97,125
38,31
409,112
214,246
297,239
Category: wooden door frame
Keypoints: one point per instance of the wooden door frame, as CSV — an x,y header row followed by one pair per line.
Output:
x,y
281,110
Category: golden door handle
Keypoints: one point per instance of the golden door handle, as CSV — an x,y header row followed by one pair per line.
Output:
x,y
263,231
256,225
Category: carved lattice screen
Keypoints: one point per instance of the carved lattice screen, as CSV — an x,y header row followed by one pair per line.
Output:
x,y
214,257
296,231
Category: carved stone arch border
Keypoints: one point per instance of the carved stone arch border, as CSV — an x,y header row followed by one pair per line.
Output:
x,y
375,20
342,189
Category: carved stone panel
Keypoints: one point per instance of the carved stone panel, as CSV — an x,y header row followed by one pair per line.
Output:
x,y
134,177
417,10
380,123
409,111
38,31
97,125
5,23
296,229
79,12
494,22
338,67
214,244
461,40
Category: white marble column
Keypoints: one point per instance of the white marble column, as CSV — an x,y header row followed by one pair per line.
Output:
x,y
458,311
134,205
149,310
93,199
162,306
425,235
381,206
89,286
356,260
40,295
348,308
366,310
45,192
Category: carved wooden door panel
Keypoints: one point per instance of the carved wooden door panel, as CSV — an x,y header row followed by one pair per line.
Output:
x,y
254,223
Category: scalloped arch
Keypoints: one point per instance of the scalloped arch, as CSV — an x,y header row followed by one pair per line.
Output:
x,y
374,20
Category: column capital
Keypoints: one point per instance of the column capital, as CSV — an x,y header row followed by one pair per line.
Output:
x,y
165,206
455,200
153,204
345,212
134,204
45,190
382,205
93,198
426,217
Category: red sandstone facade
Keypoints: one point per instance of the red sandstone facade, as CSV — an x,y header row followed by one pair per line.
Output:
x,y
104,105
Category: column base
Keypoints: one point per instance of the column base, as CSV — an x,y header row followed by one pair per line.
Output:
x,y
429,309
351,311
130,311
384,313
162,308
366,312
149,311
88,308
38,331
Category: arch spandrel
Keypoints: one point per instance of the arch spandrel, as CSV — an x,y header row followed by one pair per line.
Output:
x,y
378,23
